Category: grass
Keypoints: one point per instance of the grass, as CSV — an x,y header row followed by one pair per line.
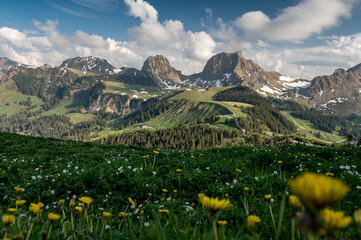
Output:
x,y
307,128
81,117
50,170
11,96
119,87
185,112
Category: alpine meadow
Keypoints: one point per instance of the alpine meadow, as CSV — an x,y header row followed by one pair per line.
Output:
x,y
186,120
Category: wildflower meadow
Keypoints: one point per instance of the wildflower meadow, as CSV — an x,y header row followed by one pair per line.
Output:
x,y
54,189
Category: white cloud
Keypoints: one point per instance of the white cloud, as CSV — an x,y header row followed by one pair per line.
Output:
x,y
307,62
169,38
53,47
143,10
297,22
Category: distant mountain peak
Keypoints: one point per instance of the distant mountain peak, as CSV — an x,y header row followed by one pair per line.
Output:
x,y
89,64
164,73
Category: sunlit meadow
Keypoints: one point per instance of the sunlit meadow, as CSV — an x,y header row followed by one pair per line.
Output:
x,y
53,189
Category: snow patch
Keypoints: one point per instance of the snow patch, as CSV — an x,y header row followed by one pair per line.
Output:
x,y
334,101
201,90
292,82
135,96
218,83
117,70
227,76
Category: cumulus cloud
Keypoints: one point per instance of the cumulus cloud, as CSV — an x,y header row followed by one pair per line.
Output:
x,y
168,37
297,22
143,10
307,62
52,47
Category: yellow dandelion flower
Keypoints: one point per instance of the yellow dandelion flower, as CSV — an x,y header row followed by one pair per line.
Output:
x,y
268,196
318,190
222,223
72,202
252,221
124,214
226,195
163,211
164,190
52,217
179,170
61,202
86,200
78,208
8,219
329,174
239,170
131,201
144,156
106,215
34,208
294,202
246,189
201,154
141,212
11,210
40,204
20,203
334,219
17,236
156,152
357,216
19,190
41,166
214,204
175,191
279,162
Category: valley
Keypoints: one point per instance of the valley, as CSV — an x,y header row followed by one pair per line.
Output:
x,y
98,100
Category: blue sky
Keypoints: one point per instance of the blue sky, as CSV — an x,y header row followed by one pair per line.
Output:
x,y
303,38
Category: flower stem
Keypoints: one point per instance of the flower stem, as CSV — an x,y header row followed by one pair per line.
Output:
x,y
273,219
29,233
51,226
214,224
293,228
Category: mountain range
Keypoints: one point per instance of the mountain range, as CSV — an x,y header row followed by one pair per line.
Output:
x,y
339,93
88,89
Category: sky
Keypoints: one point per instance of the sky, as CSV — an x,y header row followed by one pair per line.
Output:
x,y
300,38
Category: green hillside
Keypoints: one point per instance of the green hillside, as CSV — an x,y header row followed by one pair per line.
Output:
x,y
11,99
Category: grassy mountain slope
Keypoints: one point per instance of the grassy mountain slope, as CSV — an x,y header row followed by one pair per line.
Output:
x,y
11,97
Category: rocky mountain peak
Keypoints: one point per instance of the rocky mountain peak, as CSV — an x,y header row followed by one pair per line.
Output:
x,y
227,69
89,64
162,70
7,64
339,71
356,68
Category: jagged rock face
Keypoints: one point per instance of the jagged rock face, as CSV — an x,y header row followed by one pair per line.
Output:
x,y
226,69
89,65
338,93
7,66
163,73
113,103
